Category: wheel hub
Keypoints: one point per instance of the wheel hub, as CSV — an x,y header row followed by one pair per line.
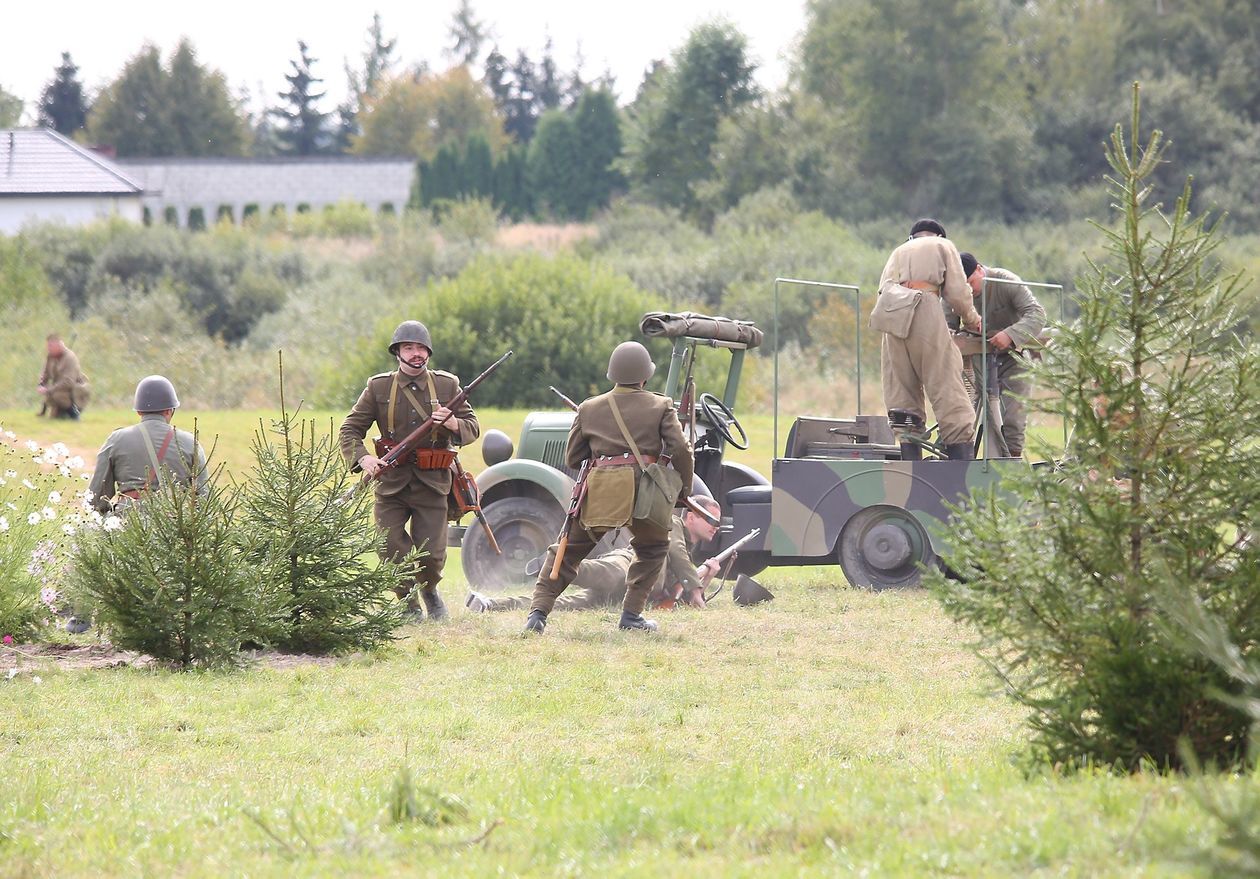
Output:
x,y
887,547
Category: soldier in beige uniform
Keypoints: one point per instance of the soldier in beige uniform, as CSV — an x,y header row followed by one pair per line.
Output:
x,y
62,384
411,497
651,424
134,459
927,360
1013,317
601,581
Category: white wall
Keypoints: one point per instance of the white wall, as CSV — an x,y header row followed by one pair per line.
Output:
x,y
17,211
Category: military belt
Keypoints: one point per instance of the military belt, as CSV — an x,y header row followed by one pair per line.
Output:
x,y
923,286
626,458
133,493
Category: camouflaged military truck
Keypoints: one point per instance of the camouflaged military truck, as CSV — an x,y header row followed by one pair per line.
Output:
x,y
846,491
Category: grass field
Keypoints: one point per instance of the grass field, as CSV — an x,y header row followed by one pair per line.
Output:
x,y
830,732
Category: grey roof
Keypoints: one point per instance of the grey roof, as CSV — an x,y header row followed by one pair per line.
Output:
x,y
39,161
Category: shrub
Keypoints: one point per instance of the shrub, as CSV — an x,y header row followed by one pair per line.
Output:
x,y
1062,575
314,541
176,580
561,315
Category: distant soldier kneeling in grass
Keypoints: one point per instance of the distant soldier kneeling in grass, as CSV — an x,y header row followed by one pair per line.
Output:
x,y
601,581
133,459
621,442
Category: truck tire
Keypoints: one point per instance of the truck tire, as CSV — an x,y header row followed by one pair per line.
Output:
x,y
524,528
884,547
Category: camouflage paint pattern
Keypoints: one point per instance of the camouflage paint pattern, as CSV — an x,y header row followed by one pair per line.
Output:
x,y
813,499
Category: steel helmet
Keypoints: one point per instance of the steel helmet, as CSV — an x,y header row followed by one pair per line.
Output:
x,y
411,331
630,364
155,393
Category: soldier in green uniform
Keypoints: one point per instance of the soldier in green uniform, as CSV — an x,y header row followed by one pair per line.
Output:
x,y
617,430
601,581
134,459
62,384
926,360
1013,317
411,497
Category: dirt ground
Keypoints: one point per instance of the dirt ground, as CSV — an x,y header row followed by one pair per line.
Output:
x,y
36,658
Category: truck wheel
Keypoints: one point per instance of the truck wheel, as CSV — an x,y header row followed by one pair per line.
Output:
x,y
885,547
524,527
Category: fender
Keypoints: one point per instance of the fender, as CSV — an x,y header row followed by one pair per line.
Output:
x,y
523,477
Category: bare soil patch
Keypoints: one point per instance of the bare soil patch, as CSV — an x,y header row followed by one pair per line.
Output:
x,y
32,658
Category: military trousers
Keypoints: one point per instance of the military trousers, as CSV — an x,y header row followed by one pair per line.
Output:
x,y
648,548
928,361
600,582
414,518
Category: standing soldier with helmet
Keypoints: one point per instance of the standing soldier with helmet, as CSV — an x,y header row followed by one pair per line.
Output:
x,y
621,440
134,458
411,497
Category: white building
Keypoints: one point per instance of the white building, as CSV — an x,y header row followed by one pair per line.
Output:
x,y
46,178
228,187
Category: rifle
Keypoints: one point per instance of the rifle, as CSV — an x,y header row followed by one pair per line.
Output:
x,y
575,507
686,500
406,447
670,600
468,500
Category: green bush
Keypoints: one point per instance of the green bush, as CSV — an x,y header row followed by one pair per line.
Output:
x,y
562,316
314,542
1062,574
176,578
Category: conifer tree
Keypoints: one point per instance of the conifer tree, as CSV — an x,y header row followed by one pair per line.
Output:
x,y
63,106
176,580
304,129
314,541
1062,574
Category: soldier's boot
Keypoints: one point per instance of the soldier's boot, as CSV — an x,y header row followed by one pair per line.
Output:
x,y
636,621
960,452
1015,451
413,613
536,622
434,605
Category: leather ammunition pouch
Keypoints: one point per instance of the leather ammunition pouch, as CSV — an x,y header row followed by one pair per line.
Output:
x,y
425,458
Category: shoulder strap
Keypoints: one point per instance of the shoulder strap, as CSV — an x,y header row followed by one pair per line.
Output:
x,y
155,457
393,398
621,425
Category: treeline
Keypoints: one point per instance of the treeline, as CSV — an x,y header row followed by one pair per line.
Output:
x,y
992,109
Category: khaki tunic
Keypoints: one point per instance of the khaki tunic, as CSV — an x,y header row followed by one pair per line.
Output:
x,y
653,424
1013,308
65,382
927,360
601,581
410,504
123,463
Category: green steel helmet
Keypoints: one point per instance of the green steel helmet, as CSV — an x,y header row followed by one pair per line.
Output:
x,y
155,393
630,364
411,331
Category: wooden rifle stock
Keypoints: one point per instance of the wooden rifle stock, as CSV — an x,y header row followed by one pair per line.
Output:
x,y
407,445
568,401
468,500
575,508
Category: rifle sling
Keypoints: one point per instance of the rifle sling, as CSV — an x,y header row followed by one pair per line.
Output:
x,y
155,456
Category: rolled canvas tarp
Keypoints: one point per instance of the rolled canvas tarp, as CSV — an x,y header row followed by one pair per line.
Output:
x,y
671,325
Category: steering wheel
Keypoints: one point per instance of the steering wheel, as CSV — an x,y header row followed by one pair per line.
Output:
x,y
723,419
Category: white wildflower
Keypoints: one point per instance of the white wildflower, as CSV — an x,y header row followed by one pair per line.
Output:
x,y
12,474
48,595
8,434
49,513
68,529
4,524
63,470
32,445
28,483
112,523
32,519
75,462
38,460
54,497
11,674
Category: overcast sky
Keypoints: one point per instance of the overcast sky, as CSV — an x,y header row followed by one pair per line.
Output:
x,y
252,42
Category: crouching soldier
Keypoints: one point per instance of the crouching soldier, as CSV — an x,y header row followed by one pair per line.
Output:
x,y
134,459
